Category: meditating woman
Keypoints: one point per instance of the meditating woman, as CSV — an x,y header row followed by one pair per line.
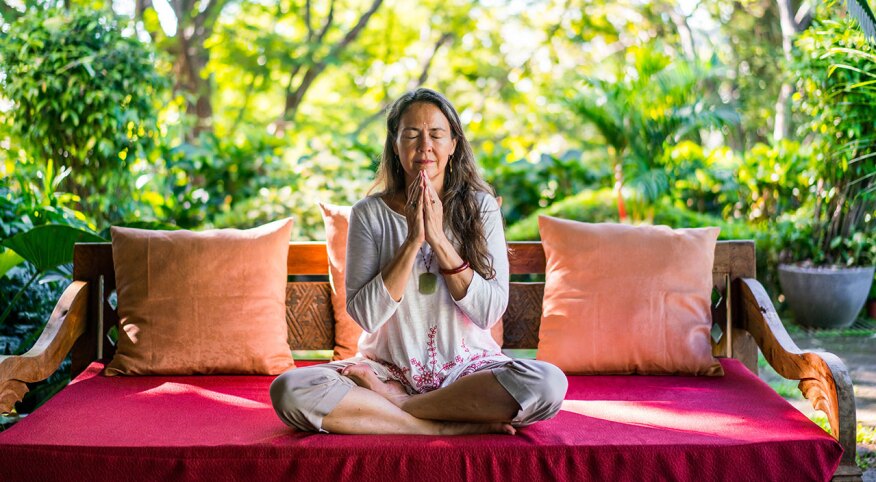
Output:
x,y
426,276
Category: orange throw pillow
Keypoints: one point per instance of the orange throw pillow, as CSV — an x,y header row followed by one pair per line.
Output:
x,y
201,303
622,299
347,332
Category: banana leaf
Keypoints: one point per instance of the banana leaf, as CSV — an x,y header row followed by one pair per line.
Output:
x,y
49,246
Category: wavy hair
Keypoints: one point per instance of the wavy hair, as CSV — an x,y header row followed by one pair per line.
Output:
x,y
461,184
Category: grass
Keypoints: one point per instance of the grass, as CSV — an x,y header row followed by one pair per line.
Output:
x,y
866,439
862,328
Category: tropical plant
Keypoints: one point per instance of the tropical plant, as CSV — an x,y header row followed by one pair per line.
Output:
x,y
651,104
527,186
837,92
862,12
84,96
772,180
47,248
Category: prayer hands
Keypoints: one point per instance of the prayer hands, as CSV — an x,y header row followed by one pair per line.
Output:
x,y
433,210
424,213
414,212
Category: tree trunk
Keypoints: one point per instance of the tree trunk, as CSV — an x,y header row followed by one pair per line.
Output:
x,y
792,25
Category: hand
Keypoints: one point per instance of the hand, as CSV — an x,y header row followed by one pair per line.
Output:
x,y
414,213
433,213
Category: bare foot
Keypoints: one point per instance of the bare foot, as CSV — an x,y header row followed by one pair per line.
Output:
x,y
364,376
463,428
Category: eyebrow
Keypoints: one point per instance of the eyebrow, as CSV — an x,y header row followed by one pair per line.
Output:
x,y
418,129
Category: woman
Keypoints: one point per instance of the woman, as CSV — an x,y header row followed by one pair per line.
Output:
x,y
426,276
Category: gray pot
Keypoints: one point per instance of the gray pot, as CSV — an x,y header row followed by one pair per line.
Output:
x,y
825,297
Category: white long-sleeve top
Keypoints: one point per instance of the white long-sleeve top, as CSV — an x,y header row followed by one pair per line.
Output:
x,y
425,340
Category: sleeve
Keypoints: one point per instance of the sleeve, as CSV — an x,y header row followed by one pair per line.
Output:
x,y
485,301
368,301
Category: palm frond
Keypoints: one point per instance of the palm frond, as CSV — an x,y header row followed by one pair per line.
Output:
x,y
860,9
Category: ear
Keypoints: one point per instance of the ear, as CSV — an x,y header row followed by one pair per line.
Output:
x,y
454,147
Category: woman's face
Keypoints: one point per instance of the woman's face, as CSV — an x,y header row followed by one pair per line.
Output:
x,y
424,142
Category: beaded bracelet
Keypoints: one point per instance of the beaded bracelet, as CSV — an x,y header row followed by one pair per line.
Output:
x,y
462,268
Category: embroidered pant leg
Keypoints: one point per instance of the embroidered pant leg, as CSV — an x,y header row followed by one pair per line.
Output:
x,y
538,387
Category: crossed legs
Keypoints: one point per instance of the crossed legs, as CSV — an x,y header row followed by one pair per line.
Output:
x,y
478,397
357,401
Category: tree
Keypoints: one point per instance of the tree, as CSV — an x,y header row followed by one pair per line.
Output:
x,y
195,22
84,96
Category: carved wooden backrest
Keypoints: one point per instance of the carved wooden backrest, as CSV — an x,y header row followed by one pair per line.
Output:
x,y
309,309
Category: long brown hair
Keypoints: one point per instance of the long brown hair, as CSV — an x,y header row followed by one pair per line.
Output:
x,y
461,183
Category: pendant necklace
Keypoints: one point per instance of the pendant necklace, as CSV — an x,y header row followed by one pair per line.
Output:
x,y
428,280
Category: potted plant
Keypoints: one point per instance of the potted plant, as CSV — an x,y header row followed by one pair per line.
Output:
x,y
871,302
831,246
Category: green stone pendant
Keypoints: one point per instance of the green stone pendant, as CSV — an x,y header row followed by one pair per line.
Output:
x,y
428,283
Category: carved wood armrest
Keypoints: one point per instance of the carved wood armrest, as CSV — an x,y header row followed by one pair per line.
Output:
x,y
66,324
824,378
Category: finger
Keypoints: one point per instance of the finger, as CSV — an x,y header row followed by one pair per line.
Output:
x,y
423,198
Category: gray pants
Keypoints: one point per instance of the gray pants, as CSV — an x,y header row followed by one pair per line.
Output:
x,y
302,397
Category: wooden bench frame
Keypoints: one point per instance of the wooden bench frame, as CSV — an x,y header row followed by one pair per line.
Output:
x,y
743,314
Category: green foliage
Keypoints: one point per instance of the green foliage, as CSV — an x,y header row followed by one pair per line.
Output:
x,y
837,72
31,311
84,96
335,175
651,104
46,248
596,207
773,180
525,186
207,179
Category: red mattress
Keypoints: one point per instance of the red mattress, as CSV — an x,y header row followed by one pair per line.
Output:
x,y
611,428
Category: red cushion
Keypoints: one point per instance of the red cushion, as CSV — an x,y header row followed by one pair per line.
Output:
x,y
612,428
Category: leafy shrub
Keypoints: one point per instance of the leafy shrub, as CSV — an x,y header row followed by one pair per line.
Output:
x,y
85,96
598,206
293,188
31,311
835,68
773,180
526,186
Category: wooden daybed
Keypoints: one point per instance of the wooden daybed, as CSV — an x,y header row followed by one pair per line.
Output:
x,y
612,427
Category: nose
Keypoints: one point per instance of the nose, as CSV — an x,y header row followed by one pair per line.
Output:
x,y
425,144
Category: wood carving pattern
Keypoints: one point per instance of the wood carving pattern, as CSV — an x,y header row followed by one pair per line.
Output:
x,y
818,393
522,319
309,316
11,392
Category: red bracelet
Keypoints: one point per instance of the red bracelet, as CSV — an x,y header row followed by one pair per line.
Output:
x,y
462,268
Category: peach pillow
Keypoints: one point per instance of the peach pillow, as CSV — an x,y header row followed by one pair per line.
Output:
x,y
201,303
622,299
347,332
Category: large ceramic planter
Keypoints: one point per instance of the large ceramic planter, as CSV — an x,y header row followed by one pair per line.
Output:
x,y
825,297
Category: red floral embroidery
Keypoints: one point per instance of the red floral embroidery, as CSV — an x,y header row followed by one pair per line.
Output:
x,y
429,375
